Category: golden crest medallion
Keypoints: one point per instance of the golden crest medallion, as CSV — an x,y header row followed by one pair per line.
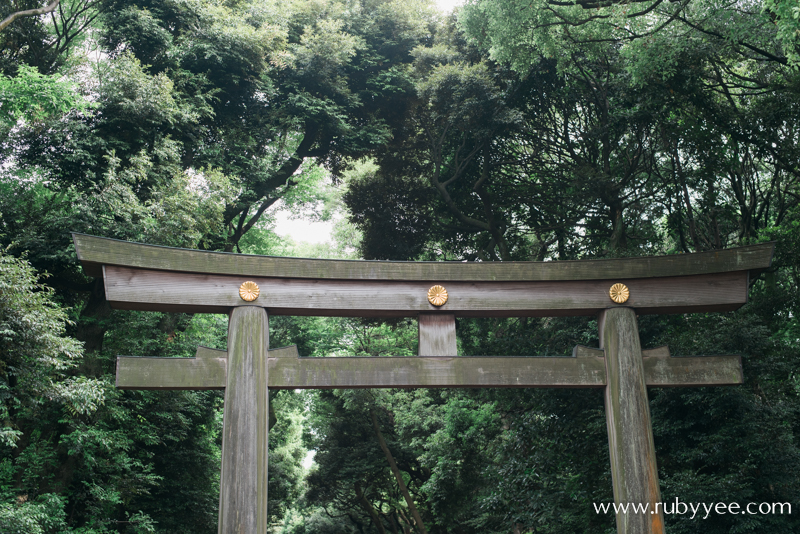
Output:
x,y
437,295
249,291
619,293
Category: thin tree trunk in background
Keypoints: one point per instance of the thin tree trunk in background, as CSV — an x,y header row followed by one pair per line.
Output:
x,y
392,522
618,240
92,323
405,523
369,508
403,489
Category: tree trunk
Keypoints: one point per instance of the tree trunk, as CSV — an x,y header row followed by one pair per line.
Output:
x,y
619,240
405,523
369,508
403,489
391,519
92,323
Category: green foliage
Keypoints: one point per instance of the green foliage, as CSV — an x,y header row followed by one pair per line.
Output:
x,y
35,354
786,17
45,516
36,358
287,452
35,98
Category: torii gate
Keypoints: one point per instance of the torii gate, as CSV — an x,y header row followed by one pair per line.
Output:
x,y
146,277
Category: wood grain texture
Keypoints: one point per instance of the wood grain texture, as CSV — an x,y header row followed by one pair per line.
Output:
x,y
170,373
311,373
434,372
585,370
582,351
207,371
94,252
140,289
243,481
662,370
284,352
630,434
437,334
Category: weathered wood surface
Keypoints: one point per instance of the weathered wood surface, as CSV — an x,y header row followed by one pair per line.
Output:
x,y
243,481
207,370
437,334
634,472
660,370
284,352
141,289
435,372
94,252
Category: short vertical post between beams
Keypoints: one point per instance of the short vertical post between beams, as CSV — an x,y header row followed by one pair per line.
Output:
x,y
437,334
630,433
243,483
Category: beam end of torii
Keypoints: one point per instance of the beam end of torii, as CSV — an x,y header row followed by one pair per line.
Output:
x,y
146,277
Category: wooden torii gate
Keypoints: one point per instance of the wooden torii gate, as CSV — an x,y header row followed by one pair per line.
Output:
x,y
146,277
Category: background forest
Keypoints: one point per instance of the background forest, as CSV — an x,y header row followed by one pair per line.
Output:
x,y
510,130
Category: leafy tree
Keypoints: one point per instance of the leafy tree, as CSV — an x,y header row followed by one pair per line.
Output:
x,y
38,376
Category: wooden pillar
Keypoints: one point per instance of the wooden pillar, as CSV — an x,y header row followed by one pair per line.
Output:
x,y
630,433
243,483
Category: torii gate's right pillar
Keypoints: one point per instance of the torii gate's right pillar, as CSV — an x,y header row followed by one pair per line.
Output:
x,y
630,433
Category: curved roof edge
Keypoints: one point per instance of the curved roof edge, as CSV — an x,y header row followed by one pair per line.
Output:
x,y
94,252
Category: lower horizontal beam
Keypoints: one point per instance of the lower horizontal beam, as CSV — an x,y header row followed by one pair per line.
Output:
x,y
663,370
586,369
207,370
436,372
170,373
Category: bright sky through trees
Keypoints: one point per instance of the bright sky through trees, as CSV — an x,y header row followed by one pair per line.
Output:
x,y
302,229
319,232
448,5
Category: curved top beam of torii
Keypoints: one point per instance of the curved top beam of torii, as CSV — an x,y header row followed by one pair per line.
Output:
x,y
148,277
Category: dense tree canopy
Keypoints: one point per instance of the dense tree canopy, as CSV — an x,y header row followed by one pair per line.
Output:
x,y
510,130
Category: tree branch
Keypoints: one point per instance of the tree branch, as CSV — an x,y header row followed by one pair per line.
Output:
x,y
771,57
28,13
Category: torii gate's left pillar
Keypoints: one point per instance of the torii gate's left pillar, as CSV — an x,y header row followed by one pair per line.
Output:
x,y
243,483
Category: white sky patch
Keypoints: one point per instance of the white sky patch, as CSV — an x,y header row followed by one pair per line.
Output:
x,y
309,459
446,6
302,230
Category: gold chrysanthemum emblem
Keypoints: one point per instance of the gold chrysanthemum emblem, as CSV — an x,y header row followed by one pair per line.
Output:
x,y
249,291
619,293
437,295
